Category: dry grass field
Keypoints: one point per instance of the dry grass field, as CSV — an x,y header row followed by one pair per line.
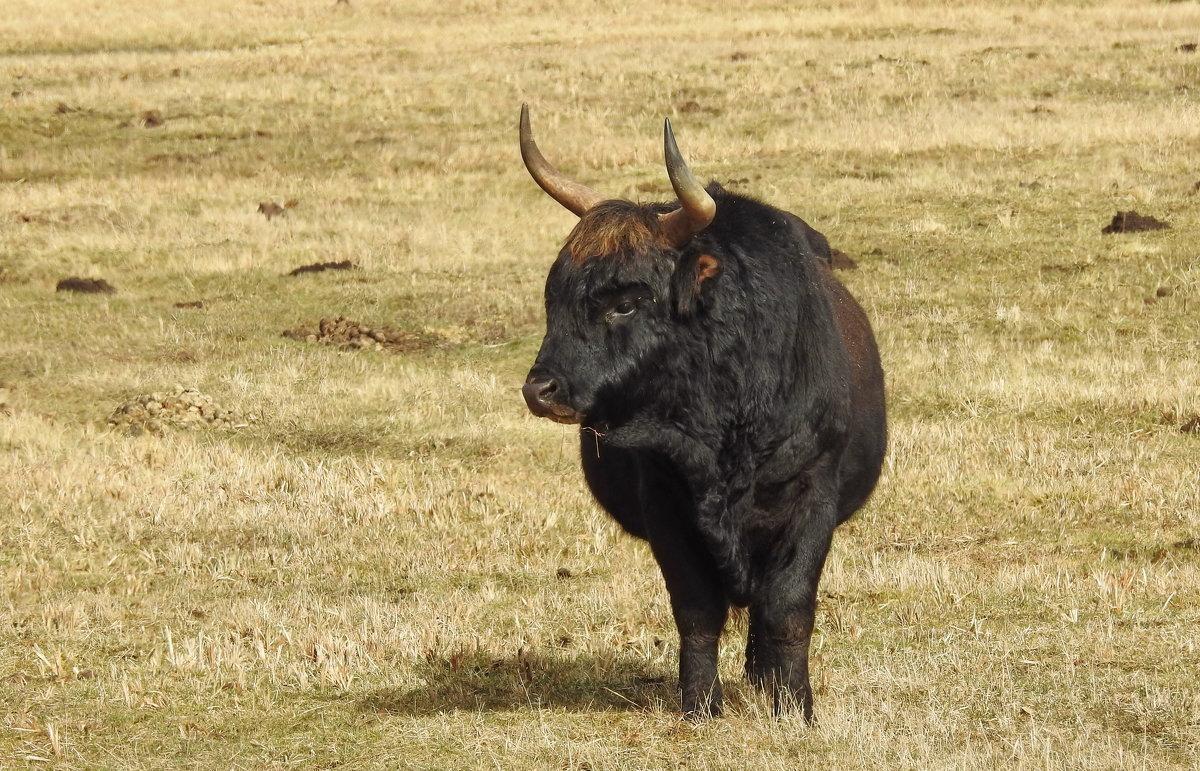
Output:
x,y
382,561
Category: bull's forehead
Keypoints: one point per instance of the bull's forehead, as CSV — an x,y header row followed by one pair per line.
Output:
x,y
616,229
573,282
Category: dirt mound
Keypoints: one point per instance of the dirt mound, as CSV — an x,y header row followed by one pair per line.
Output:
x,y
839,260
318,267
1132,222
150,119
351,335
270,209
87,285
182,408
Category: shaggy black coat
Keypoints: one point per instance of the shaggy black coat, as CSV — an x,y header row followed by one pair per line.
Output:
x,y
731,405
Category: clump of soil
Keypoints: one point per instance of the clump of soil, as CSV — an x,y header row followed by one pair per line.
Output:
x,y
87,285
1132,222
839,260
151,119
1160,293
351,336
182,408
270,209
317,267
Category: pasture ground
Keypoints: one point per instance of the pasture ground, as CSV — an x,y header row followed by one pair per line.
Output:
x,y
393,565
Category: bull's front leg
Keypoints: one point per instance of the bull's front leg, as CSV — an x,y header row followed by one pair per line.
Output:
x,y
700,620
700,609
779,666
783,611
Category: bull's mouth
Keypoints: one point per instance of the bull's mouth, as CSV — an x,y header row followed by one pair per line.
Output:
x,y
564,415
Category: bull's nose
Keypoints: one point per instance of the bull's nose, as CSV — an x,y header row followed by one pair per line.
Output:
x,y
539,394
549,397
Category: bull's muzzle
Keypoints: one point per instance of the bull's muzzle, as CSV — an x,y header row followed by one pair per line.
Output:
x,y
545,397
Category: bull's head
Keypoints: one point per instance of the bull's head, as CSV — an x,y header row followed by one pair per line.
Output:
x,y
625,275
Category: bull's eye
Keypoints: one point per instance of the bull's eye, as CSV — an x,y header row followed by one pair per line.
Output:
x,y
621,310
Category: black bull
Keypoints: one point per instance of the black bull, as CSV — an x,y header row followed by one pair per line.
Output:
x,y
731,406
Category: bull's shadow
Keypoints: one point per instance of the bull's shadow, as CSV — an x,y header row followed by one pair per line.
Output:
x,y
479,681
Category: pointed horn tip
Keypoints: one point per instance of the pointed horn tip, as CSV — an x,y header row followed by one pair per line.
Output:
x,y
671,154
697,207
574,196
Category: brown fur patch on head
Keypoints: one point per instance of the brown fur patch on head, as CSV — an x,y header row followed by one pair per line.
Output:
x,y
615,228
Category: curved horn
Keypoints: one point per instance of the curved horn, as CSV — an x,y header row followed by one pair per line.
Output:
x,y
571,194
696,207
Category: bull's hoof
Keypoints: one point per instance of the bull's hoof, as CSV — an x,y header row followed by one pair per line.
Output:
x,y
700,707
785,701
699,714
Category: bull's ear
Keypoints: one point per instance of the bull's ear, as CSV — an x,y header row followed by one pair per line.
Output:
x,y
693,277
